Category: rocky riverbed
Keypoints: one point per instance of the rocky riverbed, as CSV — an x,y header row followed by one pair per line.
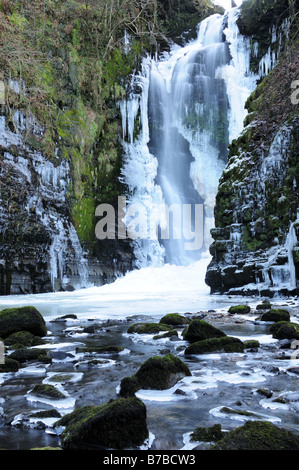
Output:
x,y
82,362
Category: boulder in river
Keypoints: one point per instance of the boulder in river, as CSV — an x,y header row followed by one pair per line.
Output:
x,y
258,435
157,373
227,344
118,424
22,319
275,314
199,330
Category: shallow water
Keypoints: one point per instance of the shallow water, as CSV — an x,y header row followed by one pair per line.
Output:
x,y
218,380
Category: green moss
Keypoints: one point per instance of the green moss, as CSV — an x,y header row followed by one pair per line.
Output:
x,y
157,373
200,330
174,319
118,424
48,391
258,435
211,434
23,338
276,315
10,365
22,319
285,330
227,344
239,309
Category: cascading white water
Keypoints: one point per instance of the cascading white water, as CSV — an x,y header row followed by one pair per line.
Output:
x,y
191,105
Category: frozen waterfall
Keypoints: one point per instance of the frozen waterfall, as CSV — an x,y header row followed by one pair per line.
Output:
x,y
186,106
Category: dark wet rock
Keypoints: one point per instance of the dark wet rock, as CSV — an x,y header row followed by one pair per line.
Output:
x,y
157,373
265,392
53,413
64,318
27,355
275,315
265,305
226,344
22,319
10,365
199,330
258,435
59,355
118,424
148,328
22,339
251,344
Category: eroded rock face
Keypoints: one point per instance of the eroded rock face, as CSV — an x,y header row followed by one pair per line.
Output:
x,y
255,247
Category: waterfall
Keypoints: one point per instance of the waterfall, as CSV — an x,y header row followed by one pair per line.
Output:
x,y
186,106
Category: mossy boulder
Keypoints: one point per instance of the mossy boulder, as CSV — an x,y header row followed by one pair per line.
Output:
x,y
118,424
239,309
10,365
226,344
276,315
148,328
22,319
258,435
22,339
198,330
157,373
265,305
284,330
174,319
28,355
211,434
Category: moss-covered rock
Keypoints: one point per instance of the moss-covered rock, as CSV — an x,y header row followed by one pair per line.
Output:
x,y
275,315
251,343
48,391
239,309
285,330
28,355
227,344
258,435
118,424
22,339
199,330
22,319
211,434
10,365
157,373
174,319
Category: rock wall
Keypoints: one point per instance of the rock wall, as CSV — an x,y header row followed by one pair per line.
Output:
x,y
255,248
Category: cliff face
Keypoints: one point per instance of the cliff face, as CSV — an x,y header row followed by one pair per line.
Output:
x,y
64,68
255,249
